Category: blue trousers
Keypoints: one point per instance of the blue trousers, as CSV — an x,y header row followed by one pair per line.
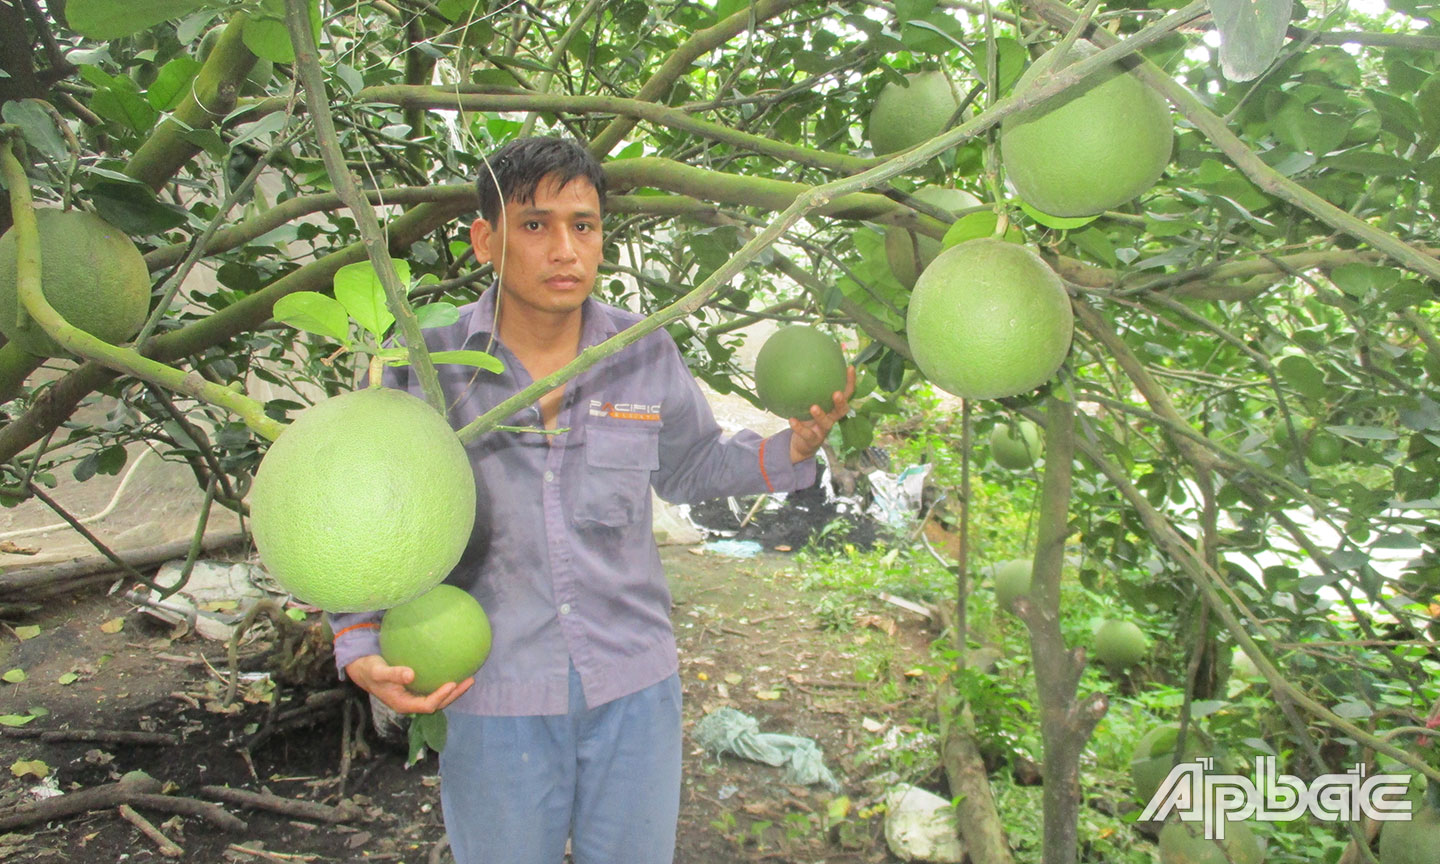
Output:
x,y
513,789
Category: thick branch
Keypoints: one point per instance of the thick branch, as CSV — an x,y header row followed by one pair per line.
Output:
x,y
211,97
680,61
470,98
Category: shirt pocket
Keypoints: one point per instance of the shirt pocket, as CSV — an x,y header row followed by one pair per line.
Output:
x,y
614,490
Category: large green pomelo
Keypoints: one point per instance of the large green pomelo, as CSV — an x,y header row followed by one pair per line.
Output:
x,y
798,366
989,319
89,271
1012,580
1154,756
904,247
911,113
366,501
443,635
1120,644
1016,448
1414,842
1185,843
1090,148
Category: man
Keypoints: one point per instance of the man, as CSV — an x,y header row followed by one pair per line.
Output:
x,y
572,727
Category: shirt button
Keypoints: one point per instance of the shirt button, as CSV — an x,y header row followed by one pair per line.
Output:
x,y
564,608
549,476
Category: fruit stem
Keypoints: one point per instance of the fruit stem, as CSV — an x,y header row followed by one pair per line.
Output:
x,y
71,338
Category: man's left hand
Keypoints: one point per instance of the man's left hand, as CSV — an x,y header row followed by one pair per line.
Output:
x,y
806,436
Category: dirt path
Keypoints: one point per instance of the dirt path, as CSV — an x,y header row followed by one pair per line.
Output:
x,y
749,639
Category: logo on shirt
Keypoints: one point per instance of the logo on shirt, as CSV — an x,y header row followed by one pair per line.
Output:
x,y
625,411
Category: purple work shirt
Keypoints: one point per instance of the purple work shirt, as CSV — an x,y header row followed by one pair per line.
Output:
x,y
570,571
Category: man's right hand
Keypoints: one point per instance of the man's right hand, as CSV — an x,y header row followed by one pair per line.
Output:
x,y
387,683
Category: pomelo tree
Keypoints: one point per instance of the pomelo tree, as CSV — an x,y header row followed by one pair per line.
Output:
x,y
1244,433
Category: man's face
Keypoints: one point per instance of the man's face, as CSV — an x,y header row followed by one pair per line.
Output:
x,y
547,251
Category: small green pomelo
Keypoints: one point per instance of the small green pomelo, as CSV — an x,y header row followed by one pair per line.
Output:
x,y
911,113
89,271
1091,147
1012,580
1324,449
799,366
908,252
1154,756
443,635
989,319
366,501
1185,843
1016,447
1120,644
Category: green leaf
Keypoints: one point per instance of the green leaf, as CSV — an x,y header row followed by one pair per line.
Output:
x,y
120,102
172,83
114,19
15,719
266,36
262,128
67,679
14,676
480,359
132,207
1303,376
38,128
1010,60
974,225
33,767
1059,223
315,313
28,631
1427,104
1252,33
434,729
417,742
358,287
437,315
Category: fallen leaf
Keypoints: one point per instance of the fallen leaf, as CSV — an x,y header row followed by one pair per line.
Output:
x,y
27,632
14,676
702,676
782,548
33,767
733,677
67,679
915,673
114,625
767,695
15,719
13,548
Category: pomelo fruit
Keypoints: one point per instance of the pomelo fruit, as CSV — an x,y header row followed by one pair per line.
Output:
x,y
1324,449
1185,843
442,635
366,501
1418,840
908,252
1091,147
89,271
1154,756
911,113
799,366
1012,579
1015,447
989,319
1120,644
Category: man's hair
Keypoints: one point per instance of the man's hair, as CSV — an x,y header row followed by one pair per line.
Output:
x,y
519,166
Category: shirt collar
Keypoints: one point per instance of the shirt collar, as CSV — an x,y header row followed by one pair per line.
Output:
x,y
595,325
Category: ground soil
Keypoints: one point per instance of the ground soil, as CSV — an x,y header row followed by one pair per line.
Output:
x,y
749,638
